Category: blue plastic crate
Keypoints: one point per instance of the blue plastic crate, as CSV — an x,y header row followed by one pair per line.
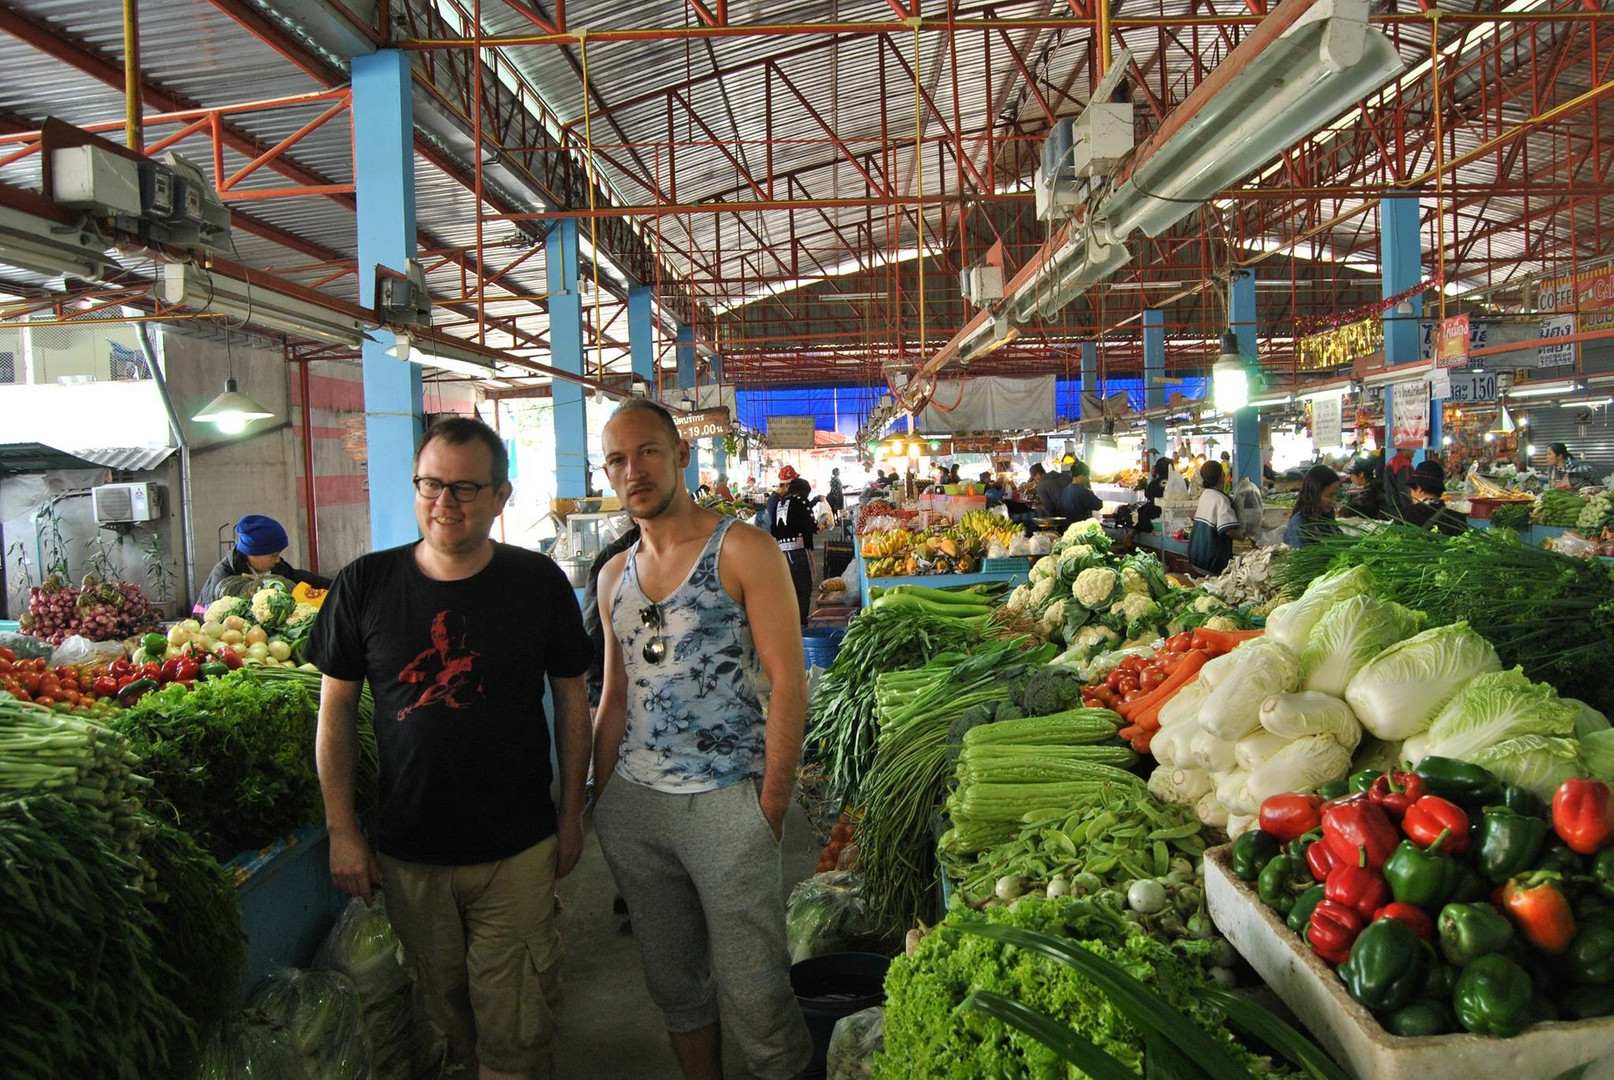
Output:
x,y
288,901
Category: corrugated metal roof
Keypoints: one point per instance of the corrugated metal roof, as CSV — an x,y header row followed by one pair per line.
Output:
x,y
17,458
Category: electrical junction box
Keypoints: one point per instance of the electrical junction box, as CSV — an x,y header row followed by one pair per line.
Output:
x,y
95,179
1100,137
983,284
116,504
199,220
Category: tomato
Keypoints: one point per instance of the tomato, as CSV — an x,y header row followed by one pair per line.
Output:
x,y
1113,679
1151,679
29,681
50,685
1128,685
1131,696
6,654
1179,643
121,667
105,686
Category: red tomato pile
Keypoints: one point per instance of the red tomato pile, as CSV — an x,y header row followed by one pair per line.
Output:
x,y
85,688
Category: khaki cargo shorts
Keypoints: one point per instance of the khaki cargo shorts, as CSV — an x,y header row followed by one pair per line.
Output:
x,y
483,944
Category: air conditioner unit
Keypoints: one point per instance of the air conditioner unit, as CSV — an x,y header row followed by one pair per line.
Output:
x,y
117,504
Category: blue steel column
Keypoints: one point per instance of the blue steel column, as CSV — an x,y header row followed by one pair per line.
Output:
x,y
1247,421
566,353
642,335
1154,369
1089,386
720,456
684,350
1401,259
384,175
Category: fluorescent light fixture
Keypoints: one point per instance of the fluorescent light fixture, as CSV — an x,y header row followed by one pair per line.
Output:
x,y
441,353
1326,61
254,305
231,411
1543,390
42,247
1076,267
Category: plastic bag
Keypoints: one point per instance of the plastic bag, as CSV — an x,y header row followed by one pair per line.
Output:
x,y
1248,506
853,1044
26,646
825,914
81,650
318,1012
1176,487
250,1049
363,947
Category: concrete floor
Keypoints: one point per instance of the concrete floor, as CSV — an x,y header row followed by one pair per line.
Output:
x,y
608,1027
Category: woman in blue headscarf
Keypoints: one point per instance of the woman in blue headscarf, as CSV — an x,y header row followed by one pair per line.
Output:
x,y
259,543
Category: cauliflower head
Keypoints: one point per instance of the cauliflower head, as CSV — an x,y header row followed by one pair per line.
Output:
x,y
1221,622
1082,530
302,613
272,606
1019,599
1042,591
1096,587
1134,583
1053,619
1094,637
1045,567
226,606
1209,605
1132,606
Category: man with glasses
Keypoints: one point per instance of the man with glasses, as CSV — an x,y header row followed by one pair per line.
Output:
x,y
455,634
693,775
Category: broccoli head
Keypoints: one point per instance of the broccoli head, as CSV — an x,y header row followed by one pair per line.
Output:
x,y
972,717
1015,678
1052,690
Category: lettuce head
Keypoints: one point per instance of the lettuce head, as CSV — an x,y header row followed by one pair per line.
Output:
x,y
1351,633
1494,708
1291,624
1398,693
1538,762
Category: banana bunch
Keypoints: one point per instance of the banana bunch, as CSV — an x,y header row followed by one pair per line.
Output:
x,y
882,545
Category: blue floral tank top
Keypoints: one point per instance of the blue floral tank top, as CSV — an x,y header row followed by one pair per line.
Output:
x,y
695,717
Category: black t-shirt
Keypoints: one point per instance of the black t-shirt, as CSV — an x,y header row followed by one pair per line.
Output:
x,y
457,671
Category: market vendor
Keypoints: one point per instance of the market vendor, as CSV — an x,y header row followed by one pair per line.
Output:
x,y
793,528
1216,523
1078,502
1314,508
1426,486
259,543
1564,470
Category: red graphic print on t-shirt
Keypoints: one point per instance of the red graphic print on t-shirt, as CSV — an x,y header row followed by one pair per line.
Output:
x,y
448,667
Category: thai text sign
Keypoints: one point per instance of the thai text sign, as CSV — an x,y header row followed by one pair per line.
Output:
x,y
706,424
1451,349
1409,408
791,432
1340,346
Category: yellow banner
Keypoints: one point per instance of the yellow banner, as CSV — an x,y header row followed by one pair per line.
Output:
x,y
1340,346
1589,293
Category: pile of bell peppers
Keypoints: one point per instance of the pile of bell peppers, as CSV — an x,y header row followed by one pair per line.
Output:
x,y
1445,899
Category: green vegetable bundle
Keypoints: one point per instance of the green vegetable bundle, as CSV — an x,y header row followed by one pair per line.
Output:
x,y
81,969
925,1037
231,761
1558,508
841,724
1596,515
1548,613
1512,515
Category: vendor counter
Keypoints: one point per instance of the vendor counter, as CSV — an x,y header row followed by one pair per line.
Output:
x,y
936,581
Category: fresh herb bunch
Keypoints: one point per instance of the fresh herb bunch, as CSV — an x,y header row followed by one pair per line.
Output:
x,y
1551,614
231,760
83,975
1512,515
926,1037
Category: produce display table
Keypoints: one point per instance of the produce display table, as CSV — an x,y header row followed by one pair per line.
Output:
x,y
287,899
1111,493
934,581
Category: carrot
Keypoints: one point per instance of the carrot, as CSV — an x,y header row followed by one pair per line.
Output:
x,y
1130,732
1144,742
1223,640
1186,672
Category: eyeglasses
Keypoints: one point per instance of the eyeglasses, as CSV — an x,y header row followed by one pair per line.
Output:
x,y
655,650
461,491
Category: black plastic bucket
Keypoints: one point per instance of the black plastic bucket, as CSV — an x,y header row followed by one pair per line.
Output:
x,y
834,985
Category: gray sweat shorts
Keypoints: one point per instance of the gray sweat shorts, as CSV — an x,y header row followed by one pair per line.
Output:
x,y
700,874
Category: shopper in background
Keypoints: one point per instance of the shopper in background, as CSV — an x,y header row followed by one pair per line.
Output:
x,y
693,778
837,494
1078,501
722,490
1049,485
1426,486
1366,496
259,544
468,843
1153,492
1210,538
793,529
1564,470
1314,508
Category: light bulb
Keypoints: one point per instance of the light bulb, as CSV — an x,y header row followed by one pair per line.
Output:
x,y
231,423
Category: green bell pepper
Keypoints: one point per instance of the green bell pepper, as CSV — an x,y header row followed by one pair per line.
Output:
x,y
1300,913
1603,872
1362,781
1426,1016
1469,786
1251,853
1470,888
1334,789
1521,800
1590,957
1387,966
1585,1002
1507,844
1493,997
1284,877
1421,876
1591,909
1441,982
1469,931
1561,859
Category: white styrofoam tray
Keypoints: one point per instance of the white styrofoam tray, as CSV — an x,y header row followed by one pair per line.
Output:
x,y
1350,1034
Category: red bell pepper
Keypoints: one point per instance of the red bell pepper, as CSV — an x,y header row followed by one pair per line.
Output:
x,y
1540,910
1583,815
187,670
229,658
1332,931
1395,791
120,667
1359,887
1291,815
170,670
1353,826
1411,914
1320,859
1430,816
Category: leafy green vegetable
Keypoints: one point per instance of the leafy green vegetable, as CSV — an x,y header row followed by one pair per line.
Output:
x,y
1398,693
1351,633
231,761
1538,762
1494,707
1597,754
1291,624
